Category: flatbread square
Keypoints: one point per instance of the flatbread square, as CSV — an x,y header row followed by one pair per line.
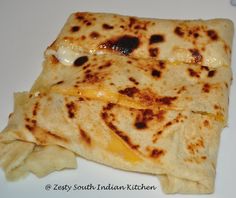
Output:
x,y
138,94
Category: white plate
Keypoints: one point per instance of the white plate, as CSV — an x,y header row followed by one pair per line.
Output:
x,y
27,27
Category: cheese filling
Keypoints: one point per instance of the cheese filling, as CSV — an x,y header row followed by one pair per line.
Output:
x,y
118,147
65,55
101,94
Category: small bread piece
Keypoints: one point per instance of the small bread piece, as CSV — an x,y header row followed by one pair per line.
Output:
x,y
12,156
47,159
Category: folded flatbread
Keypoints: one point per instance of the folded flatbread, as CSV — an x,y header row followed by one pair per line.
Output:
x,y
206,42
145,95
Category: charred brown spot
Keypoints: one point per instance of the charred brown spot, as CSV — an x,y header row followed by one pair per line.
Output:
x,y
212,34
84,67
129,91
204,157
161,115
55,136
195,35
156,73
166,100
29,127
178,30
168,124
79,16
80,61
196,55
91,78
227,49
193,73
68,38
87,71
143,117
124,45
87,22
194,146
94,35
205,68
133,80
30,124
156,38
132,21
206,88
54,59
60,82
140,27
159,132
83,37
226,85
147,97
211,73
35,110
140,125
107,27
104,115
85,136
71,109
27,119
34,122
156,153
81,99
106,65
109,106
153,52
75,28
147,114
206,123
161,64
44,137
183,88
156,136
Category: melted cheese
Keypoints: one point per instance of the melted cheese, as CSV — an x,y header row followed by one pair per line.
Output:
x,y
107,96
100,94
116,146
218,117
65,55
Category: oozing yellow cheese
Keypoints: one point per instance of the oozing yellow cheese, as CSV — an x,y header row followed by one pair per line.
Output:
x,y
100,94
218,117
108,96
117,147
